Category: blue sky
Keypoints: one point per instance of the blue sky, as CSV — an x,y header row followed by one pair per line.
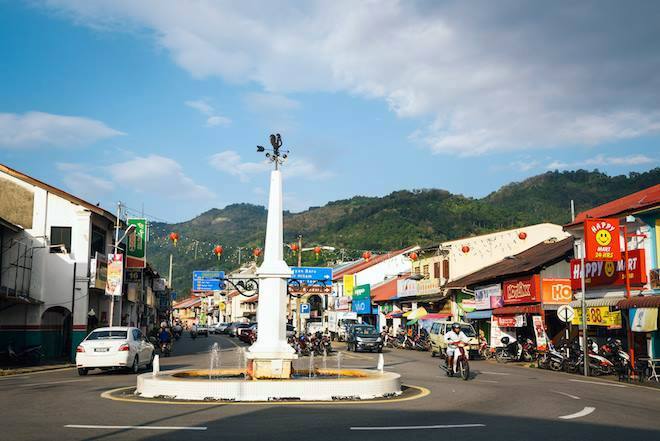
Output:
x,y
159,105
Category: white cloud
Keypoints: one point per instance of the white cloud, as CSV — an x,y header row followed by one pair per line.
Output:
x,y
230,162
492,76
39,129
157,175
269,102
206,109
603,161
81,181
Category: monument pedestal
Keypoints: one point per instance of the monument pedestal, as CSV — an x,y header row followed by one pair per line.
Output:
x,y
279,366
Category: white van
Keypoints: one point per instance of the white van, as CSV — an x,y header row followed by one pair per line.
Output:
x,y
437,337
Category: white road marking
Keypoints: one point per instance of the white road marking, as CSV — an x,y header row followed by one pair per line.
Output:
x,y
599,382
50,382
14,377
487,381
493,373
440,426
91,426
575,397
584,412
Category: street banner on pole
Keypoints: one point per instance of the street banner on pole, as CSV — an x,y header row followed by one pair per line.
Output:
x,y
136,249
349,283
115,276
602,239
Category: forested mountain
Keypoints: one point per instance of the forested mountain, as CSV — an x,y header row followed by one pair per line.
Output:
x,y
384,223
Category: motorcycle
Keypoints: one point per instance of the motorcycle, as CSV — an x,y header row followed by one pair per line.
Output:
x,y
598,365
551,359
28,355
485,351
165,349
529,352
193,334
511,351
460,363
613,351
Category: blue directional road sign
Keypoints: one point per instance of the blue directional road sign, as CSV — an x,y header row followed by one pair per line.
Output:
x,y
208,280
312,274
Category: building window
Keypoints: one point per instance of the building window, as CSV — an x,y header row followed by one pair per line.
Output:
x,y
436,270
445,269
60,236
426,271
98,241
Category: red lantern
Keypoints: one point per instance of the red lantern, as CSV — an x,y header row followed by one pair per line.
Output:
x,y
522,235
366,255
256,252
174,237
218,251
317,251
413,256
294,247
465,249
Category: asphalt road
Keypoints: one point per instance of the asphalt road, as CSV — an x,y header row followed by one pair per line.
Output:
x,y
501,402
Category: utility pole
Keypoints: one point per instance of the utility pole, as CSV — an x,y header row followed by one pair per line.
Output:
x,y
196,244
298,320
112,297
585,348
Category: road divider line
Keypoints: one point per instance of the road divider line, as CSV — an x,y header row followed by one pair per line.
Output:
x,y
575,397
438,426
92,426
48,383
584,412
599,382
493,373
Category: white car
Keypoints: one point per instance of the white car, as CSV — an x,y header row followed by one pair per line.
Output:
x,y
116,347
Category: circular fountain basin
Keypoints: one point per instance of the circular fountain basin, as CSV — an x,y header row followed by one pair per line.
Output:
x,y
228,385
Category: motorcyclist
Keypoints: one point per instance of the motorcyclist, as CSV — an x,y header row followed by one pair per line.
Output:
x,y
452,338
164,336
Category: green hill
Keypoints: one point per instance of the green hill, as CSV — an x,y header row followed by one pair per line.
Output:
x,y
384,223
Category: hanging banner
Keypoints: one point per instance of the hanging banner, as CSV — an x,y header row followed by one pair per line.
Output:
x,y
598,316
601,238
136,247
610,273
349,283
496,334
115,275
556,291
522,290
539,333
644,319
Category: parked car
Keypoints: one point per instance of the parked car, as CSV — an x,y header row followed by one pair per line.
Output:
x,y
220,328
437,337
117,347
364,337
233,332
203,330
243,334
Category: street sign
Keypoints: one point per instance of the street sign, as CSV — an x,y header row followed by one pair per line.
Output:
x,y
305,310
362,306
208,280
565,313
312,274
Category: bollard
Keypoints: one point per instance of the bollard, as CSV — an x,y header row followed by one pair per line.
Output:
x,y
381,363
156,365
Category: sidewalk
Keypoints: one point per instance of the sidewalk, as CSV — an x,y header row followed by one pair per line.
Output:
x,y
15,370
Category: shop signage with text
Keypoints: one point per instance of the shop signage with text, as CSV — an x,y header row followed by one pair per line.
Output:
x,y
601,238
349,282
557,291
510,321
488,297
136,249
599,316
610,273
523,290
362,292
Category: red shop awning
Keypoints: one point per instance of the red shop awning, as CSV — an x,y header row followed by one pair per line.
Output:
x,y
640,302
519,309
435,316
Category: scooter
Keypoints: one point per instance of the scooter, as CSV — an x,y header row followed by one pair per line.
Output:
x,y
551,359
165,349
613,351
193,334
460,363
512,351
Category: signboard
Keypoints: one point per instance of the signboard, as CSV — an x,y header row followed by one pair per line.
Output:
x,y
565,313
522,290
362,306
511,321
134,290
305,310
98,271
484,296
406,288
349,283
159,284
115,275
496,334
599,316
556,291
362,292
312,279
610,273
136,247
208,280
601,238
342,304
643,319
539,333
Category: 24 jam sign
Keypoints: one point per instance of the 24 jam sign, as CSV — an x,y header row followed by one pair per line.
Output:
x,y
602,239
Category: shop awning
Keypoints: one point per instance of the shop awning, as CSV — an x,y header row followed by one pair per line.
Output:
x,y
417,313
477,315
603,301
394,314
411,322
518,309
652,301
435,316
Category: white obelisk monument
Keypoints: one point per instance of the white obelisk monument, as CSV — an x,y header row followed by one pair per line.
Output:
x,y
270,356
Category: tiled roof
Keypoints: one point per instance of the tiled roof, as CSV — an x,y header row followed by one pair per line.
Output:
x,y
362,264
385,290
527,261
647,198
188,303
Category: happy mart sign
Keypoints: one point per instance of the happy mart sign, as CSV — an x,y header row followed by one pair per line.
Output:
x,y
602,240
